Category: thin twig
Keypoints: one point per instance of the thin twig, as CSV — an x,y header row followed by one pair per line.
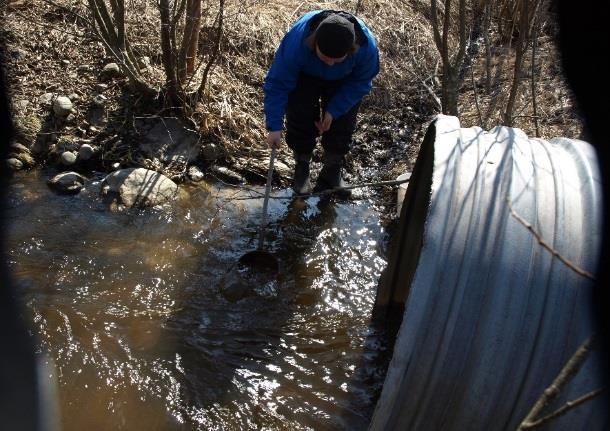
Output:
x,y
547,246
534,101
562,410
565,375
476,96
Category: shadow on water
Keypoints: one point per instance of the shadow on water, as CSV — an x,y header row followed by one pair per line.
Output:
x,y
282,359
240,363
130,308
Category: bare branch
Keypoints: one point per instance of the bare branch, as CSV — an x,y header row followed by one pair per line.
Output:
x,y
476,97
214,55
435,30
546,245
565,375
534,100
462,41
562,410
445,52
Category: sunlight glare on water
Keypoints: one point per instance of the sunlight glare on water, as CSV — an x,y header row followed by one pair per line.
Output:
x,y
130,308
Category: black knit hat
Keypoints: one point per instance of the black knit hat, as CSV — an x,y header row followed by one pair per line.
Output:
x,y
335,36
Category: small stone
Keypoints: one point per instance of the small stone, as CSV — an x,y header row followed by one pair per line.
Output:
x,y
62,106
46,99
195,174
84,68
100,88
68,158
14,164
67,182
65,62
116,165
86,151
73,96
111,70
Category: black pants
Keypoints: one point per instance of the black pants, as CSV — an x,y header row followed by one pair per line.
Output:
x,y
303,111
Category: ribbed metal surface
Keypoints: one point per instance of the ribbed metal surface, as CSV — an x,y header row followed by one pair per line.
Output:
x,y
492,316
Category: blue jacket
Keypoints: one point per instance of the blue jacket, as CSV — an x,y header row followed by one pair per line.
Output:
x,y
294,56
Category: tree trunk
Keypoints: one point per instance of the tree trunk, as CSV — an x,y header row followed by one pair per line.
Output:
x,y
190,39
452,65
168,54
450,91
191,52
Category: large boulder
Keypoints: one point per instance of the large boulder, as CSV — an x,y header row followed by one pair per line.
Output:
x,y
141,187
67,182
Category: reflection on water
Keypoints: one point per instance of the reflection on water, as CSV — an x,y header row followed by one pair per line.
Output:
x,y
129,307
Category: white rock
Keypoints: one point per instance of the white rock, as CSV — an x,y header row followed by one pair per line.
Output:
x,y
68,158
86,151
14,164
62,106
142,187
195,174
111,70
46,99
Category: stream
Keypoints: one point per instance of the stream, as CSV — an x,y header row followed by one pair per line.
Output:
x,y
128,310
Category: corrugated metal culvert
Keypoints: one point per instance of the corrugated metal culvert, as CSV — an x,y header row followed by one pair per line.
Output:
x,y
499,237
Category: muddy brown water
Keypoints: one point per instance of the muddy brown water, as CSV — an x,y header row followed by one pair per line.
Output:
x,y
129,310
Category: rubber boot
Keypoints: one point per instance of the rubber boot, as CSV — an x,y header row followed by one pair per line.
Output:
x,y
330,176
301,184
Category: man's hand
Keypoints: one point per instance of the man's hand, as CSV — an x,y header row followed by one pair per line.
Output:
x,y
324,125
274,139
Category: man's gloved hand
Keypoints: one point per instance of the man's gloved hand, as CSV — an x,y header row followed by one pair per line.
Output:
x,y
274,139
324,125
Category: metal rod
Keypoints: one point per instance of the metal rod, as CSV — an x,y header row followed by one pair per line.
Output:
x,y
261,238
